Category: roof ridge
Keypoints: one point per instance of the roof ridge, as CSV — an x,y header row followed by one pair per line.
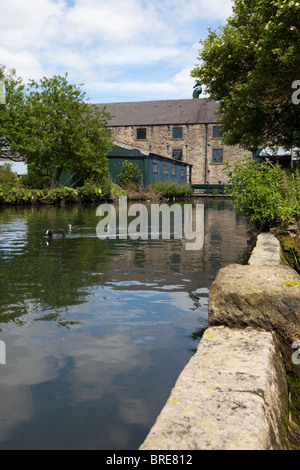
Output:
x,y
155,101
162,112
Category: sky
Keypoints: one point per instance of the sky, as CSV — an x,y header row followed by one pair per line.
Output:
x,y
115,50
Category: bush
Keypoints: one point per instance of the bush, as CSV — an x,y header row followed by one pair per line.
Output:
x,y
171,189
7,177
36,181
266,195
130,176
92,192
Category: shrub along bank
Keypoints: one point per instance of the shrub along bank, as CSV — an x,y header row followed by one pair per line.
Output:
x,y
268,197
170,189
27,191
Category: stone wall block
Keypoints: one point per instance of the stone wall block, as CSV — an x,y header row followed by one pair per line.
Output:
x,y
230,396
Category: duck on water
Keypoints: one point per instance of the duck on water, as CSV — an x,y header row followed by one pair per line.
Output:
x,y
54,235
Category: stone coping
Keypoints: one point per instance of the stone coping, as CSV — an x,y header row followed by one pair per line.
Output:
x,y
228,397
232,395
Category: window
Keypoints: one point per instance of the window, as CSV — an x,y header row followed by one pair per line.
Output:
x,y
217,132
154,165
182,171
165,168
217,155
141,133
177,154
173,169
177,133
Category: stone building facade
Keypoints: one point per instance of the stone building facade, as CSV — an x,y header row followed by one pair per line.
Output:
x,y
186,130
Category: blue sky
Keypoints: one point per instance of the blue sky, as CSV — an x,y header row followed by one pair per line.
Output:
x,y
118,50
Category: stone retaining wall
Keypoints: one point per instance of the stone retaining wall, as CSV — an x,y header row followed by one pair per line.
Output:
x,y
233,392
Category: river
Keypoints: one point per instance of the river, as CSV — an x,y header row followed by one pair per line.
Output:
x,y
96,331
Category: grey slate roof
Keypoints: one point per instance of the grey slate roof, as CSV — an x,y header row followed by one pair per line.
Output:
x,y
164,112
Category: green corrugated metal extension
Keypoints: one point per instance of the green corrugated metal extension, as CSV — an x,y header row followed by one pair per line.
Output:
x,y
145,162
118,155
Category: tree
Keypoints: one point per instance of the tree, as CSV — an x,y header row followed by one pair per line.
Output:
x,y
52,126
65,132
249,66
12,114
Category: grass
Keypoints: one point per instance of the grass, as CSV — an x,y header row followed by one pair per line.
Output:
x,y
170,189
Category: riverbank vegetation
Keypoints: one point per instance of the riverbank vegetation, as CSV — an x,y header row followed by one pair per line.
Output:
x,y
268,197
170,189
22,190
34,189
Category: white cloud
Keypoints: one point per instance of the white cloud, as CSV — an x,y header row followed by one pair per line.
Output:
x,y
94,20
135,54
178,86
182,81
152,43
22,23
26,63
217,10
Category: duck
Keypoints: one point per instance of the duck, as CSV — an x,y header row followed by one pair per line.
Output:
x,y
54,235
74,227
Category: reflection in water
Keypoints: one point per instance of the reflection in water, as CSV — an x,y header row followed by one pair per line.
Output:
x,y
97,331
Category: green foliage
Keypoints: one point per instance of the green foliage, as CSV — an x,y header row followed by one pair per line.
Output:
x,y
7,177
130,176
290,247
249,65
266,195
16,193
66,133
12,115
90,192
171,189
290,188
36,179
51,125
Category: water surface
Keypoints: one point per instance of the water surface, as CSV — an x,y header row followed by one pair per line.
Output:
x,y
97,331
